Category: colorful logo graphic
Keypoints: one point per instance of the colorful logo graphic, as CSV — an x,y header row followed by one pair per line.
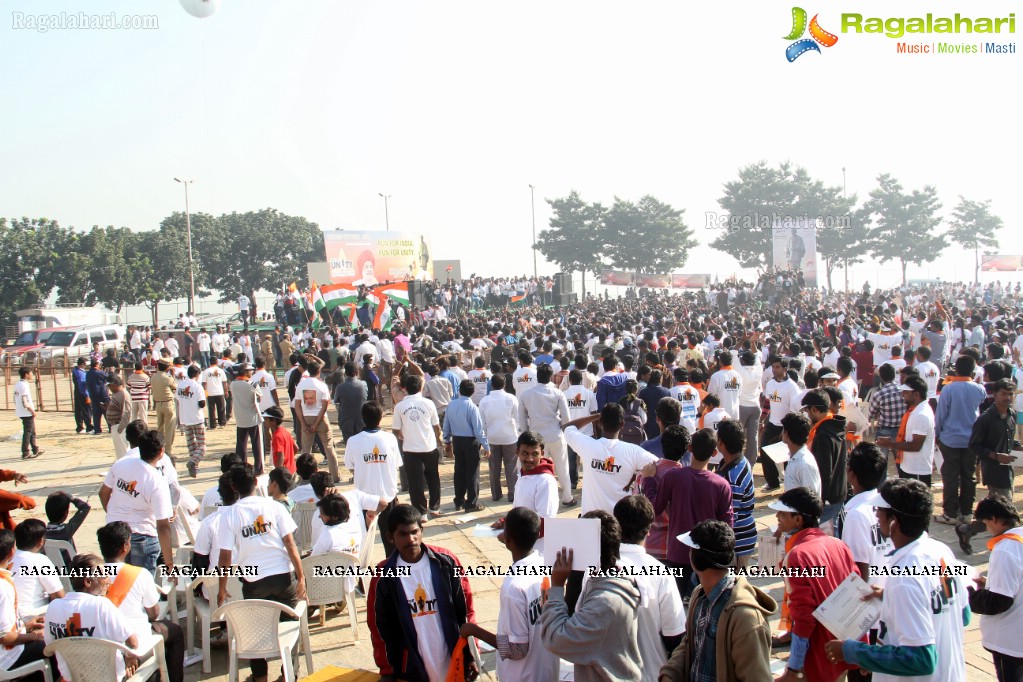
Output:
x,y
802,45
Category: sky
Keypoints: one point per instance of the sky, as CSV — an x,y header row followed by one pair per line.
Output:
x,y
453,108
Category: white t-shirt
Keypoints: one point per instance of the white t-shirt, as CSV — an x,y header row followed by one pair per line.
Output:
x,y
415,416
932,375
266,383
726,384
80,614
861,531
142,595
207,541
189,394
714,417
422,602
782,395
139,496
538,492
204,342
609,466
660,612
802,471
522,598
310,395
357,502
582,402
479,378
523,378
210,499
302,493
920,422
34,577
908,615
850,391
254,528
1000,632
374,457
9,618
213,377
690,399
883,346
23,402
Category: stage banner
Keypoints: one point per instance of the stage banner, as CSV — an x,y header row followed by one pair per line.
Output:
x,y
689,281
795,246
653,281
995,263
372,257
618,278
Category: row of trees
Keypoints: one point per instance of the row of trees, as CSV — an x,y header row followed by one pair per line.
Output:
x,y
892,224
116,266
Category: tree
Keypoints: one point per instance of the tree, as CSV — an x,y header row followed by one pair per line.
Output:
x,y
33,263
753,202
646,236
843,239
260,250
574,240
973,226
906,224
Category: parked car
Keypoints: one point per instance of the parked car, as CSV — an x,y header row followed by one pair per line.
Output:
x,y
27,342
63,347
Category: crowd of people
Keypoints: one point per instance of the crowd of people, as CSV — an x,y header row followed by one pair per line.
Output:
x,y
653,415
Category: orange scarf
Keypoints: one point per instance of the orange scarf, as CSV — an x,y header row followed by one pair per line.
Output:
x,y
125,580
813,429
1004,536
950,380
901,435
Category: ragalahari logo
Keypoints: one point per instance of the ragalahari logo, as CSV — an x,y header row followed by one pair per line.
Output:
x,y
818,36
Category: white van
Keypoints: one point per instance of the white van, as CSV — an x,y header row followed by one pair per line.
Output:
x,y
63,347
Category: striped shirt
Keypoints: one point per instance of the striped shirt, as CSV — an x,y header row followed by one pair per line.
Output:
x,y
138,385
740,477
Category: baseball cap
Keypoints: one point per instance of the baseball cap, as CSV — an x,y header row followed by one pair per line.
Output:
x,y
814,399
274,412
826,373
778,505
904,387
687,540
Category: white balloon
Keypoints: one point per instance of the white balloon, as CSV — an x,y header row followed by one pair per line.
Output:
x,y
200,8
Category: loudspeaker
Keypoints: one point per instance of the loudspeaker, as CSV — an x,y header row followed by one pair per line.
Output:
x,y
562,283
566,299
416,294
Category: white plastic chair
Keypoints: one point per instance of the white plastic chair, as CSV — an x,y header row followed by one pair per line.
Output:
x,y
303,517
92,660
262,482
368,544
39,666
254,631
52,549
322,590
200,610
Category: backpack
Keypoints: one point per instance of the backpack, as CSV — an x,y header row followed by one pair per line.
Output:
x,y
632,431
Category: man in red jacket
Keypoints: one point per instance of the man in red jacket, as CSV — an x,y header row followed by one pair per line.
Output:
x,y
815,566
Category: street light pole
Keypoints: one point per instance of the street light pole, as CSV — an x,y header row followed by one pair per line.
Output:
x,y
532,203
188,232
387,215
846,259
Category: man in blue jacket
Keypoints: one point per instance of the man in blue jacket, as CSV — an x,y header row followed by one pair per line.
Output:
x,y
417,603
96,387
611,387
83,420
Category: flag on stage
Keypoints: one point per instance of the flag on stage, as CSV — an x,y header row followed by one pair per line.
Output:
x,y
518,298
398,291
335,295
382,320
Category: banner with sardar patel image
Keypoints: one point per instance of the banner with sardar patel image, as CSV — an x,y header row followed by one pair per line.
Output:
x,y
372,257
795,246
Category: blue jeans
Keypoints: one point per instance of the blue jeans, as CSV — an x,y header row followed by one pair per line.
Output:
x,y
145,549
204,358
886,432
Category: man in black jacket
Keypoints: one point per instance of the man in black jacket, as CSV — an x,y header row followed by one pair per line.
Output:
x,y
828,445
417,604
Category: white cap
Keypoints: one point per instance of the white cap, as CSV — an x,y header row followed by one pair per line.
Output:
x,y
778,505
904,387
687,540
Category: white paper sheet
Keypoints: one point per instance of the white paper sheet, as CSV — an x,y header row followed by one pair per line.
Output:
x,y
582,536
483,530
771,550
778,452
845,613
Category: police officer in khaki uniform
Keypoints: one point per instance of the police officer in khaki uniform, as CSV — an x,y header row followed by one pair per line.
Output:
x,y
163,390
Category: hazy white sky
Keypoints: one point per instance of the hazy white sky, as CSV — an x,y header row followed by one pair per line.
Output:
x,y
455,107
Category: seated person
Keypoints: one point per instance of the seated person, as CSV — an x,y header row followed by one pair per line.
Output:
x,y
133,591
22,639
278,487
85,612
59,527
212,496
305,467
33,573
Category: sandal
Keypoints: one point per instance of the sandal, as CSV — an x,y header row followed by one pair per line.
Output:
x,y
781,639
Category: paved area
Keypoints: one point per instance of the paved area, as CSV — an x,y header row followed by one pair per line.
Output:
x,y
77,464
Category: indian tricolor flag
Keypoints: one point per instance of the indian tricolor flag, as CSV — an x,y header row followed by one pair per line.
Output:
x,y
314,303
398,291
334,295
382,320
518,298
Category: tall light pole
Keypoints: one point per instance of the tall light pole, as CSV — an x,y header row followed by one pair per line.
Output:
x,y
387,215
532,203
846,259
188,232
